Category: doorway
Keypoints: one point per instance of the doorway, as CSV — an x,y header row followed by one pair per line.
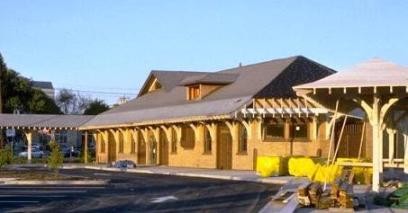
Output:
x,y
164,149
224,148
141,150
111,148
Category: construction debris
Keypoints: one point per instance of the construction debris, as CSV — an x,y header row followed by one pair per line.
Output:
x,y
340,194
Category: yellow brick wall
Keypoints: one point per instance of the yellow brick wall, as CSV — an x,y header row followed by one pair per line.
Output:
x,y
196,157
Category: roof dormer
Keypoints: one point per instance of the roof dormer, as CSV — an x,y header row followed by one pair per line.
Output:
x,y
200,86
152,84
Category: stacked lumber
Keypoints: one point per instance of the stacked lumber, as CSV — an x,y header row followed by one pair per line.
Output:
x,y
339,196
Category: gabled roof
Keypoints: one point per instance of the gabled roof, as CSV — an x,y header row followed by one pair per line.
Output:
x,y
246,82
371,73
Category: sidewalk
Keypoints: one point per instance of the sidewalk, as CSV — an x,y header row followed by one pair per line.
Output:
x,y
193,172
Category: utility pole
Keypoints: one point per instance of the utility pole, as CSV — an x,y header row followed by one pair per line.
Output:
x,y
2,70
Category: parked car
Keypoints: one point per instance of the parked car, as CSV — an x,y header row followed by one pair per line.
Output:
x,y
35,153
124,164
70,152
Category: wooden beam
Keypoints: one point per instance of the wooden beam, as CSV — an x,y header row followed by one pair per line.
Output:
x,y
361,140
339,140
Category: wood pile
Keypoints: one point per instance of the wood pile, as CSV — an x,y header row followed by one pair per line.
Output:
x,y
339,196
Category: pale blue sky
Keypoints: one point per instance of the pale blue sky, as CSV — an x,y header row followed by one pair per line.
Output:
x,y
112,45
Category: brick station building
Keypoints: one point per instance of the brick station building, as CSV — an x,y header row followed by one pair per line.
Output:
x,y
222,119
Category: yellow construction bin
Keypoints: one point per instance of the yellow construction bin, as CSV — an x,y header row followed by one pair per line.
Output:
x,y
267,166
303,166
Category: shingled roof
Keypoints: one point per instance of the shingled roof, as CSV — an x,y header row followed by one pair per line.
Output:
x,y
273,78
375,72
210,78
29,121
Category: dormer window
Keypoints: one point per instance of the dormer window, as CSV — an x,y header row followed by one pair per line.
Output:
x,y
194,92
200,86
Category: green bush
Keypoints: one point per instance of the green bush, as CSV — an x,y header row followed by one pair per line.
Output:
x,y
82,156
6,156
56,158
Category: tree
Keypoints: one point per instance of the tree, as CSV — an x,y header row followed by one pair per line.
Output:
x,y
66,99
17,93
96,107
72,103
3,69
56,158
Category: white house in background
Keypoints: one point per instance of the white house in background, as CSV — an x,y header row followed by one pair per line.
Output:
x,y
45,86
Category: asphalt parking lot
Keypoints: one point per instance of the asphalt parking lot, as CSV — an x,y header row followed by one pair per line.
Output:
x,y
131,192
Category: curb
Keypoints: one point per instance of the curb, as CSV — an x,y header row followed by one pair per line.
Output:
x,y
55,182
185,174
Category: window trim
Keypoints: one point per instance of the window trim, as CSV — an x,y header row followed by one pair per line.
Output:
x,y
274,138
183,138
292,127
207,139
241,129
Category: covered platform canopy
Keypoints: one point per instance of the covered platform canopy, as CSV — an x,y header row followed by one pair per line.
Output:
x,y
43,121
35,122
380,89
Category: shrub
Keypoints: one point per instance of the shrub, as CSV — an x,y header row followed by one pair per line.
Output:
x,y
82,155
56,157
6,156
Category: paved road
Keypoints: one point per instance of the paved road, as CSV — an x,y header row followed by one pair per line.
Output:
x,y
129,192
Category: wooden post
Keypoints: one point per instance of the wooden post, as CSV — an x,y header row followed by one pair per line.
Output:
x,y
29,136
86,147
339,140
406,153
97,140
375,122
391,142
332,134
361,140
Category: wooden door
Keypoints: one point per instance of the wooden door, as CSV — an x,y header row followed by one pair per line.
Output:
x,y
350,141
224,148
111,148
164,149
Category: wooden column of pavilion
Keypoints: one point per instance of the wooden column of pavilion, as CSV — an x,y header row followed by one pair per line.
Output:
x,y
377,87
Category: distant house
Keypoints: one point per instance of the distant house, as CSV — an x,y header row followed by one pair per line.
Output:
x,y
45,86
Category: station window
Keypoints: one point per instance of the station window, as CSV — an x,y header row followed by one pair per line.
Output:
x,y
243,140
132,146
121,145
273,130
193,92
207,142
299,131
187,137
173,141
